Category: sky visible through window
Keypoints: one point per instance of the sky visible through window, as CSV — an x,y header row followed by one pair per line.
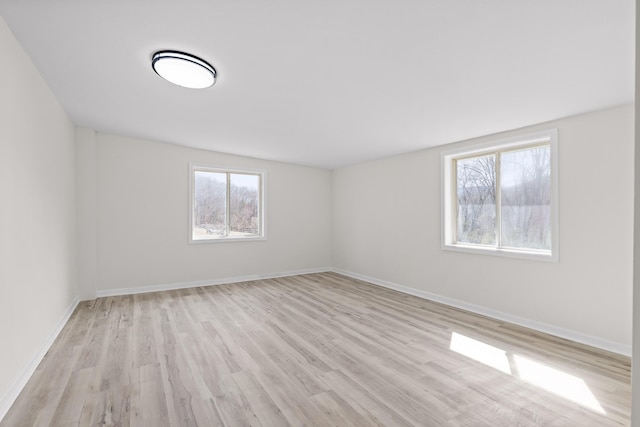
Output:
x,y
520,180
226,204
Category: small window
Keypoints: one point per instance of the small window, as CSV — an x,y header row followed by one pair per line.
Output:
x,y
501,198
226,204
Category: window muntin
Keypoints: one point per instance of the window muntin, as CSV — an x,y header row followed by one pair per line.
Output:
x,y
226,204
501,197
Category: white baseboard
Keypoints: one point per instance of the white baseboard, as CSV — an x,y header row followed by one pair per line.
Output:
x,y
12,393
185,285
590,340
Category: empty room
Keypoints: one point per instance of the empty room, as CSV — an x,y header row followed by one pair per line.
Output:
x,y
323,213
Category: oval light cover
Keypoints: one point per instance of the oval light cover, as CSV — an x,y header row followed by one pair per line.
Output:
x,y
183,69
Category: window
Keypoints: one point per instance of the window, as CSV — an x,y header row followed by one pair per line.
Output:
x,y
501,198
226,205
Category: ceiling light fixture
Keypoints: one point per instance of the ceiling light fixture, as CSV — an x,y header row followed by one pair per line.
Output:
x,y
183,69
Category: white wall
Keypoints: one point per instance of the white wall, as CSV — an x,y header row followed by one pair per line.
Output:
x,y
87,212
387,217
142,218
37,216
635,363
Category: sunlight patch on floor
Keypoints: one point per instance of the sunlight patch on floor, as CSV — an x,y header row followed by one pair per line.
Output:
x,y
481,352
547,378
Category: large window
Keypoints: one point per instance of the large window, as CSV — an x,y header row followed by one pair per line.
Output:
x,y
226,204
501,197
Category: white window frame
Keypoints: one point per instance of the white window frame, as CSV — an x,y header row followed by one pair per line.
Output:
x,y
449,195
193,168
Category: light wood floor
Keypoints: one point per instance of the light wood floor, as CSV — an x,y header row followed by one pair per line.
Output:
x,y
318,349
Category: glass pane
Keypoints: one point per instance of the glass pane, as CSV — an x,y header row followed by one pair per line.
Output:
x,y
525,185
210,205
476,193
244,205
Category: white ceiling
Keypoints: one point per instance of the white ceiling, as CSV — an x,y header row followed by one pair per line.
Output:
x,y
330,82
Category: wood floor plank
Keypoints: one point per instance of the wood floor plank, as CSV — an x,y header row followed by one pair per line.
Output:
x,y
319,349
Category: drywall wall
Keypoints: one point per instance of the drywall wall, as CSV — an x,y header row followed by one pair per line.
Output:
x,y
37,217
142,218
87,212
387,219
635,364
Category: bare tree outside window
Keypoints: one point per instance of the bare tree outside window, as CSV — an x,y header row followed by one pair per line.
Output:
x,y
226,204
476,191
244,199
520,217
526,198
210,203
500,197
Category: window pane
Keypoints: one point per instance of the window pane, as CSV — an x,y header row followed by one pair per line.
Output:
x,y
476,193
244,204
525,185
209,205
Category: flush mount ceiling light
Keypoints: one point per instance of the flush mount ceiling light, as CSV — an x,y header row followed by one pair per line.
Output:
x,y
183,69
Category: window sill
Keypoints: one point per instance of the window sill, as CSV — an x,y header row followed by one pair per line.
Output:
x,y
226,239
502,252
